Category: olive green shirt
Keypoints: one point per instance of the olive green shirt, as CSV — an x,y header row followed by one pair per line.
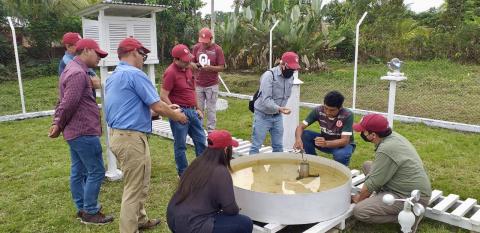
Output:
x,y
397,168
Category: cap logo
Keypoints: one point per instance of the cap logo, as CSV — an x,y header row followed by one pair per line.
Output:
x,y
185,50
296,59
339,123
203,35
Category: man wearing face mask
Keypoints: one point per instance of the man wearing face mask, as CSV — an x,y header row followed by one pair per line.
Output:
x,y
336,134
397,170
275,89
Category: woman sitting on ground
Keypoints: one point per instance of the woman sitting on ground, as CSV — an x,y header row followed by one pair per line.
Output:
x,y
204,201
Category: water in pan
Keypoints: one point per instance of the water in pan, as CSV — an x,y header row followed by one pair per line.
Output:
x,y
280,176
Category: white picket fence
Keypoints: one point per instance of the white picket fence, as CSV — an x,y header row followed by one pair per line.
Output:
x,y
449,209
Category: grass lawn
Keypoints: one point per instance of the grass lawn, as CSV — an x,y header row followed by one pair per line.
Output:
x,y
34,170
34,173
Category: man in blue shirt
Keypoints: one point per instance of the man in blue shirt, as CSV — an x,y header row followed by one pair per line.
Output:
x,y
130,97
70,40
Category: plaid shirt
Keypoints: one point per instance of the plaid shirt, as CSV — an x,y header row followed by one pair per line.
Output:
x,y
77,113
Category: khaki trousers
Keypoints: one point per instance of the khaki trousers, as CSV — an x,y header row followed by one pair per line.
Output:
x,y
133,154
373,210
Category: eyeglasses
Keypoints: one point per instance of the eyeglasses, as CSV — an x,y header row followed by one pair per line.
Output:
x,y
144,55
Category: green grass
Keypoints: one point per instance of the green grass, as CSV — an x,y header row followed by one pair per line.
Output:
x,y
34,173
40,94
34,170
434,89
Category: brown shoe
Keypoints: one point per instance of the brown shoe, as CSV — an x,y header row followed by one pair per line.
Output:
x,y
151,223
96,219
80,214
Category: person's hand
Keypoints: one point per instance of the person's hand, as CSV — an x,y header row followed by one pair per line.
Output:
x,y
155,115
174,106
284,110
200,113
193,66
54,131
96,82
320,141
180,116
298,145
355,199
207,68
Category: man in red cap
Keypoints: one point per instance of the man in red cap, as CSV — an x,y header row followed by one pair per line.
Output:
x,y
77,115
69,40
209,61
397,170
129,98
178,87
275,89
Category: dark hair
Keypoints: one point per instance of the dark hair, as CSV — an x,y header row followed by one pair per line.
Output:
x,y
78,52
200,171
334,99
383,134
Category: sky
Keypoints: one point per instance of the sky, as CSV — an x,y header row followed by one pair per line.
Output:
x,y
415,5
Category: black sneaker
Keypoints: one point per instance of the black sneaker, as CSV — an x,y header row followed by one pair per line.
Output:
x,y
96,219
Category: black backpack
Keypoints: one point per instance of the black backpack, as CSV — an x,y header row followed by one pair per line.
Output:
x,y
251,103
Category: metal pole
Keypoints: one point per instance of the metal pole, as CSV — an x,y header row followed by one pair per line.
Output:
x,y
17,61
212,21
357,35
271,52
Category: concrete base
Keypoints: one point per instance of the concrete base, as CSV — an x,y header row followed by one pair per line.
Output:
x,y
222,104
115,175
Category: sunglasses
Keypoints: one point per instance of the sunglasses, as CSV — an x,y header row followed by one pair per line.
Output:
x,y
143,54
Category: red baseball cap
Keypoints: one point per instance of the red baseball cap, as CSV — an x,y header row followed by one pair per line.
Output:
x,y
90,44
221,139
71,38
130,44
205,35
182,52
291,60
372,122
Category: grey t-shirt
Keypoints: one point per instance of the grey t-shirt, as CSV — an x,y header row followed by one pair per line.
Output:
x,y
196,213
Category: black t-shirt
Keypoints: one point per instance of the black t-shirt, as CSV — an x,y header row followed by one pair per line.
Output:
x,y
332,128
196,213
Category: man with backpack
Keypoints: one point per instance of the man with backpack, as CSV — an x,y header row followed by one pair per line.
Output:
x,y
268,105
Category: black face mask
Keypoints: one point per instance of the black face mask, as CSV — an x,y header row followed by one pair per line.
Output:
x,y
287,73
364,137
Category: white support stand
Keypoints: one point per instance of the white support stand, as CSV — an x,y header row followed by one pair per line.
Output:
x,y
290,122
393,77
112,173
19,74
151,73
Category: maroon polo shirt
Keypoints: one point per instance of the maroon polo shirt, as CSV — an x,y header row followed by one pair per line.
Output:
x,y
77,113
181,84
215,56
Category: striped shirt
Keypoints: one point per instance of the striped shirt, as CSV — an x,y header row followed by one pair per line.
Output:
x,y
76,114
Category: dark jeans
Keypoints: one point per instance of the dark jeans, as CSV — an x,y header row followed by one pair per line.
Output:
x,y
87,172
341,154
232,224
192,128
